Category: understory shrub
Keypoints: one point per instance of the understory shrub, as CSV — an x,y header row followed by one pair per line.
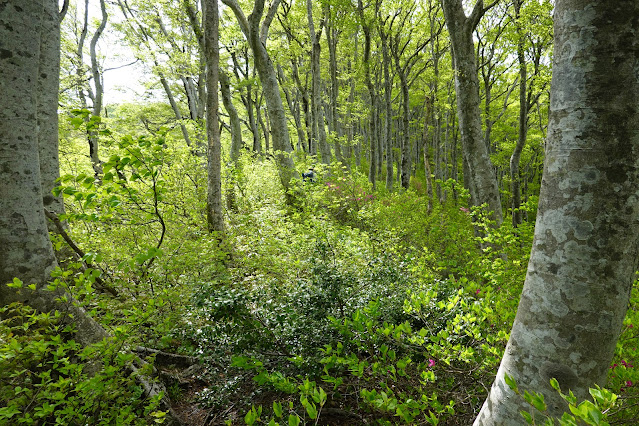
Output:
x,y
48,378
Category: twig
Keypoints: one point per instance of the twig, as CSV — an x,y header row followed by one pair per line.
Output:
x,y
63,233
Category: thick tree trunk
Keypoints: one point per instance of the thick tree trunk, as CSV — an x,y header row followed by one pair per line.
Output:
x,y
26,252
48,87
483,183
214,215
585,250
25,249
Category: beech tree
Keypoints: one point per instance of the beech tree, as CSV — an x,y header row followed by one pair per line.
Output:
x,y
256,31
212,53
48,86
481,176
584,254
26,252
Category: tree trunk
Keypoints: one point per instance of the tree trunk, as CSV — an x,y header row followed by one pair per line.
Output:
x,y
585,250
256,36
98,91
388,108
481,177
26,252
406,151
372,171
319,132
214,214
332,35
293,106
48,88
236,136
523,122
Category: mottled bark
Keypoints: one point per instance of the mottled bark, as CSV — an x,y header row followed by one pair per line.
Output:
x,y
319,132
515,187
236,136
483,183
25,249
585,249
214,214
256,35
48,88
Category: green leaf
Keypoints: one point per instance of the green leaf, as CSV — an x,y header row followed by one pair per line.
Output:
x,y
76,122
277,409
15,284
510,381
293,420
526,415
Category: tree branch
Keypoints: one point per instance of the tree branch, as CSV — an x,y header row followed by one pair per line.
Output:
x,y
63,233
239,15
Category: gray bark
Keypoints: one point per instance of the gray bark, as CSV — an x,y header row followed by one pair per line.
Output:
x,y
256,35
98,92
482,181
388,88
234,118
236,136
48,88
372,171
523,122
294,107
25,249
319,131
214,215
332,35
585,249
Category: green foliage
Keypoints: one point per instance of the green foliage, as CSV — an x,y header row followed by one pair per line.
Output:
x,y
587,412
46,377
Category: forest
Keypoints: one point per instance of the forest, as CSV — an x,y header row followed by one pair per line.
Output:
x,y
319,212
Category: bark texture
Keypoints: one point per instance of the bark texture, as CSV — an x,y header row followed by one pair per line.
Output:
x,y
212,52
48,87
256,34
585,250
515,187
25,249
483,183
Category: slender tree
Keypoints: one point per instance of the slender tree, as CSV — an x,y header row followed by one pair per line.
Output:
x,y
318,127
585,250
212,57
256,32
481,176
